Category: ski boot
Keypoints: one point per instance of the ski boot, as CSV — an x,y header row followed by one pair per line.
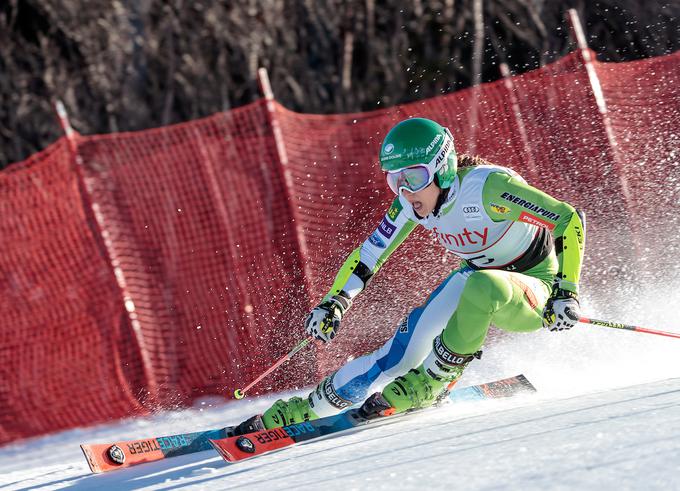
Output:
x,y
375,407
250,425
284,413
430,382
322,401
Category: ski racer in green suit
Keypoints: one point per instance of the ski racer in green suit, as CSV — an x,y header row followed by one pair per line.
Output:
x,y
521,252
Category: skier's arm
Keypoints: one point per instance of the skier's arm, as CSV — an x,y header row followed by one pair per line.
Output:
x,y
509,198
323,321
367,259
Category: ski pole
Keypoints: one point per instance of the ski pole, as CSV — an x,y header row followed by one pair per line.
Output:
x,y
627,327
241,393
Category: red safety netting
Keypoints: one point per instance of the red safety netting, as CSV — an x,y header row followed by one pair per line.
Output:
x,y
167,264
643,101
64,345
200,229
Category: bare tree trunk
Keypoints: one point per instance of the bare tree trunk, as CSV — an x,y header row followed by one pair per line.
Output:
x,y
170,91
447,37
478,43
347,61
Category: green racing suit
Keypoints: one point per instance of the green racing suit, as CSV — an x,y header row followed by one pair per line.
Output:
x,y
516,244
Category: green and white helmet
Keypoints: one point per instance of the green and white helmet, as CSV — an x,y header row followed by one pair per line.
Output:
x,y
425,148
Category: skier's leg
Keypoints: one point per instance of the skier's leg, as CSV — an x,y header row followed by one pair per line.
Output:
x,y
511,301
357,379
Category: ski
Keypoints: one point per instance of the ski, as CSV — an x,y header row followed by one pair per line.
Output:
x,y
236,448
103,457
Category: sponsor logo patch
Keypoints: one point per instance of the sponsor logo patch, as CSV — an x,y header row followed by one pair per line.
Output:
x,y
116,454
537,210
403,327
503,210
273,435
245,444
579,234
534,220
433,143
389,148
376,240
472,212
332,396
386,228
464,238
443,153
447,356
394,210
162,443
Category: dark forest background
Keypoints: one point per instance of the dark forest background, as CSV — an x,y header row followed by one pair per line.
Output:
x,y
133,64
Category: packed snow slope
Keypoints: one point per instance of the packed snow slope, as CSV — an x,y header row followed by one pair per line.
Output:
x,y
606,416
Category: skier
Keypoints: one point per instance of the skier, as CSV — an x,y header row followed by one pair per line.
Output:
x,y
514,274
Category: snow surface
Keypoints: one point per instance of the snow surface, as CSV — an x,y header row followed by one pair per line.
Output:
x,y
606,416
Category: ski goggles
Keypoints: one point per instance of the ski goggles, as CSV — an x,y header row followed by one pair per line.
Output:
x,y
412,179
419,176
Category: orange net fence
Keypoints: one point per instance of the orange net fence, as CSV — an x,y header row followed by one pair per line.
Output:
x,y
164,265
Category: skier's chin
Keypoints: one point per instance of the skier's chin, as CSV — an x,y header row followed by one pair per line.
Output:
x,y
418,208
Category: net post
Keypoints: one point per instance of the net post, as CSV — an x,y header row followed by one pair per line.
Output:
x,y
98,225
519,121
586,57
303,251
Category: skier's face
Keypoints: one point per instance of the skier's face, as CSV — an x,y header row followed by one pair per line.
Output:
x,y
423,201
